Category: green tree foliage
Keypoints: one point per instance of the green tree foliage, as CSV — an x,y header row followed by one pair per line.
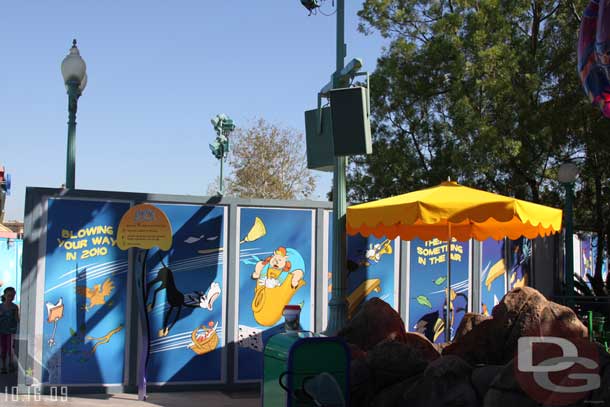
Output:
x,y
269,162
485,92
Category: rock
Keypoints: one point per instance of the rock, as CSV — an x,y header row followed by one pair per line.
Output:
x,y
469,321
525,312
445,382
393,396
522,312
483,345
393,362
504,391
601,396
440,347
361,383
561,321
375,322
422,345
356,352
508,390
482,377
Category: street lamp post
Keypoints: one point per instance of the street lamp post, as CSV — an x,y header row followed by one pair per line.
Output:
x,y
338,304
223,126
74,72
337,316
567,175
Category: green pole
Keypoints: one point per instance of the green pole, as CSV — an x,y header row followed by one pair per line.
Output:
x,y
338,305
73,94
569,240
222,159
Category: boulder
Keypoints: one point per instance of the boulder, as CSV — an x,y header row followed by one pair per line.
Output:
x,y
601,396
445,382
482,377
440,347
394,362
483,345
505,391
361,383
525,312
356,352
522,312
375,322
508,390
393,396
469,321
422,345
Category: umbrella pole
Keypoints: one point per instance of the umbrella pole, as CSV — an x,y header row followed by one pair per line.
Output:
x,y
448,293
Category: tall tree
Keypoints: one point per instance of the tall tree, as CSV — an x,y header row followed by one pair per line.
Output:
x,y
486,92
269,162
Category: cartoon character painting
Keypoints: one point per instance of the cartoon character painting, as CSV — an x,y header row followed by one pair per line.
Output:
x,y
96,295
103,339
176,298
276,284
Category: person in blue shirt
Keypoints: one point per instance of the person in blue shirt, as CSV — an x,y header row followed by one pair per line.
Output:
x,y
9,320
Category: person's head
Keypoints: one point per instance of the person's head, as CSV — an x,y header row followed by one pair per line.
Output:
x,y
9,294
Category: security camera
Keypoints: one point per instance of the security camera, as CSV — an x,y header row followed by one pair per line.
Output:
x,y
310,4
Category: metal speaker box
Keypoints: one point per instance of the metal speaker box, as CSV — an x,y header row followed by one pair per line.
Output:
x,y
318,133
351,122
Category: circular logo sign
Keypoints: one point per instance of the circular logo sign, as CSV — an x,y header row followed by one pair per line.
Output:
x,y
555,370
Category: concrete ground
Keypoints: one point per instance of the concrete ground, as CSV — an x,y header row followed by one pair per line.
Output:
x,y
169,399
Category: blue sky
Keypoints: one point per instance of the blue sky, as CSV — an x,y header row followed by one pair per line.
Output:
x,y
158,72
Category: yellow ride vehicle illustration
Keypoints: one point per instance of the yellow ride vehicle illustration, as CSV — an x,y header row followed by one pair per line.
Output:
x,y
276,284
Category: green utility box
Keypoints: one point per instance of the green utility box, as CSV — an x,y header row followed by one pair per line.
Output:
x,y
319,136
351,125
299,370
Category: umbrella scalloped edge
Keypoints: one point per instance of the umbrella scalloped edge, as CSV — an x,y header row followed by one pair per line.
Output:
x,y
460,232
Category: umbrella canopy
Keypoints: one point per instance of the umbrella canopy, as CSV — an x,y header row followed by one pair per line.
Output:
x,y
469,212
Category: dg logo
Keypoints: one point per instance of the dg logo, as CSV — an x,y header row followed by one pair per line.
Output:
x,y
557,371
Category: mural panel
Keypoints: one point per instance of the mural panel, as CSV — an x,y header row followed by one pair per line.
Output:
x,y
85,293
10,264
185,301
428,286
587,261
493,274
372,266
519,262
275,269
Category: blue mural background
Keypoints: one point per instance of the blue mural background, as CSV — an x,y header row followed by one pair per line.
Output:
x,y
291,229
70,264
519,261
587,261
428,271
360,268
10,264
370,259
195,228
493,286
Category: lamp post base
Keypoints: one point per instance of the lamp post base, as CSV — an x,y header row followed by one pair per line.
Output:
x,y
337,316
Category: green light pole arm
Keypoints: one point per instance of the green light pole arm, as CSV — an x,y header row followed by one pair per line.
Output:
x,y
73,95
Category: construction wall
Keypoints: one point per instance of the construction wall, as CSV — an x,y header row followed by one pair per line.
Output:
x,y
209,324
10,264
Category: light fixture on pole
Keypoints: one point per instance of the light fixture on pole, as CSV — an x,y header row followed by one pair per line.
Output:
x,y
223,125
74,72
567,175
